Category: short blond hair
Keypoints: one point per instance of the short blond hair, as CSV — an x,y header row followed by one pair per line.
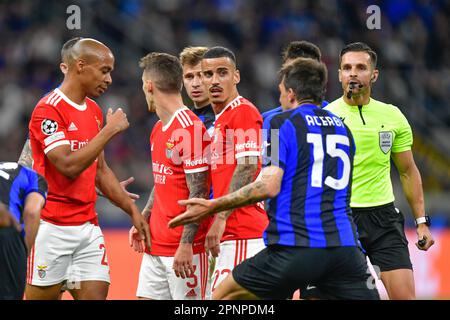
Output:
x,y
192,55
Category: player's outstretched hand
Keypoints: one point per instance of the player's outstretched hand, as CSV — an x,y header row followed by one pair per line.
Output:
x,y
117,119
142,233
124,184
197,209
425,239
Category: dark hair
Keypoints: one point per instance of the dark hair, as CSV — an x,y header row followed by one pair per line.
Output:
x,y
301,49
359,47
164,70
66,49
306,77
219,52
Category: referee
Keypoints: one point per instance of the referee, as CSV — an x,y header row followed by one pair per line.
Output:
x,y
381,132
22,196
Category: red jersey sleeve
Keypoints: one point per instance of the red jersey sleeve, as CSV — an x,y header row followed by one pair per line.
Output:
x,y
48,127
247,124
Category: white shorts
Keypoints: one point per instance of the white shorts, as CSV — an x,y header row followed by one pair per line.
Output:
x,y
72,253
158,281
232,253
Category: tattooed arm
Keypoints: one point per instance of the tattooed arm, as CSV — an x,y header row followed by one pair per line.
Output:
x,y
243,174
148,207
182,263
266,186
26,158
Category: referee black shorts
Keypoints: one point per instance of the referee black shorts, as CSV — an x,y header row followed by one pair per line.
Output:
x,y
13,264
277,271
382,234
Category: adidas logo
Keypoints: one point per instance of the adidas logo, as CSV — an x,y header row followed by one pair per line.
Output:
x,y
72,127
191,293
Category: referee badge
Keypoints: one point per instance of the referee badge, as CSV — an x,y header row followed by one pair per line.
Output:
x,y
386,138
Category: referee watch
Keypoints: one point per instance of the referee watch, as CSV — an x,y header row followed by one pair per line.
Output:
x,y
425,219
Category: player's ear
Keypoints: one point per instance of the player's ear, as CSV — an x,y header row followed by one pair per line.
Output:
x,y
340,75
63,67
80,65
291,95
149,86
375,75
237,76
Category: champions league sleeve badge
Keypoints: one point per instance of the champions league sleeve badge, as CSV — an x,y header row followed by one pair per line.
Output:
x,y
49,127
386,138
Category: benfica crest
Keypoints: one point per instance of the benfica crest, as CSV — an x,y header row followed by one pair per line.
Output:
x,y
169,149
386,138
42,272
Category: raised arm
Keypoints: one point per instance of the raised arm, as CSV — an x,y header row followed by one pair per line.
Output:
x,y
266,186
72,164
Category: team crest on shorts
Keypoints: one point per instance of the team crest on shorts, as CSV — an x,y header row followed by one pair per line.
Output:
x,y
49,126
42,272
169,149
386,138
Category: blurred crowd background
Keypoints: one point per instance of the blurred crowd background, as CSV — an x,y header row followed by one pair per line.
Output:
x,y
413,46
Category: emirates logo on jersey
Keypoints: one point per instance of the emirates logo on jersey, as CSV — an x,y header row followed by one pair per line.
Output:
x,y
77,145
160,172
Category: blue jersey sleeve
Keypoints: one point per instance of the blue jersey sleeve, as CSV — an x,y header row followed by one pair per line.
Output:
x,y
280,131
36,183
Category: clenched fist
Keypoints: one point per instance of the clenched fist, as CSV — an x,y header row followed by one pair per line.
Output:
x,y
117,120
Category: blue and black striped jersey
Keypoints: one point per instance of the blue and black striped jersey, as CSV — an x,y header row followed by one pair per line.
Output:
x,y
16,183
315,149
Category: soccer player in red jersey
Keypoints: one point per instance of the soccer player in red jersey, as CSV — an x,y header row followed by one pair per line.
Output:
x,y
67,139
235,162
175,266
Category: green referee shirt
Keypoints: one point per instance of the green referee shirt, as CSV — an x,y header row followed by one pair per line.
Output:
x,y
378,129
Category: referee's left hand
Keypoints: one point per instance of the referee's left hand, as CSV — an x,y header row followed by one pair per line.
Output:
x,y
423,233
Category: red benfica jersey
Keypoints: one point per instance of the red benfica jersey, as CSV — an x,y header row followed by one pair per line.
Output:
x,y
237,133
57,121
177,149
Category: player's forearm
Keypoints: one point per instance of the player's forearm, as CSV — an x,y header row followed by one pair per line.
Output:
x,y
189,232
26,157
242,176
31,220
148,207
31,217
412,187
76,162
249,194
108,184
